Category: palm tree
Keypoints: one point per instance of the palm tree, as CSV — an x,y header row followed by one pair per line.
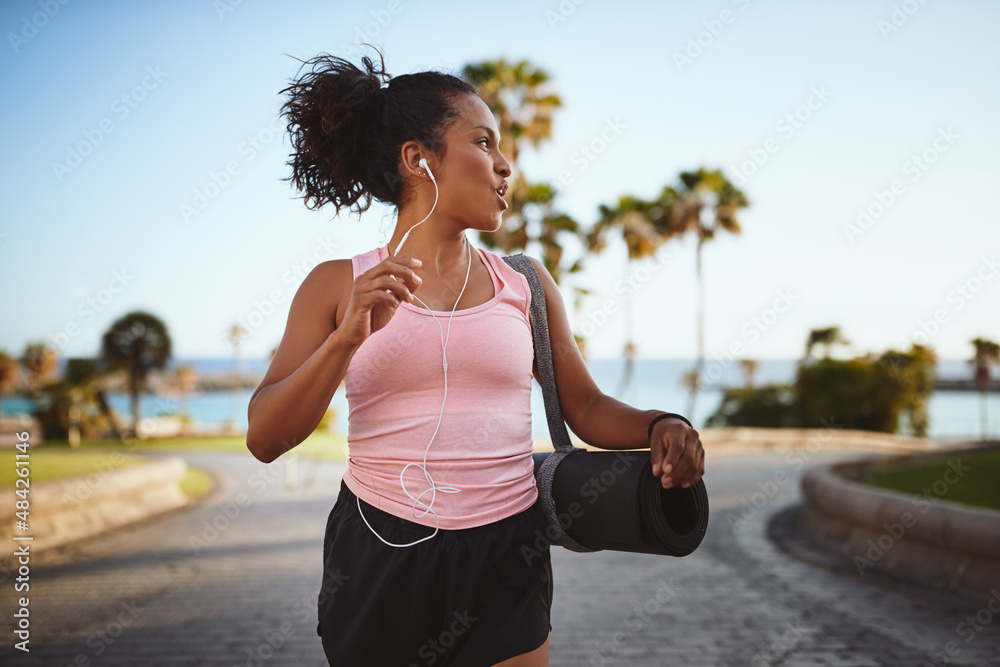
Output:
x,y
40,361
235,336
825,337
750,368
187,381
545,225
631,218
987,354
139,343
690,382
703,202
70,406
520,97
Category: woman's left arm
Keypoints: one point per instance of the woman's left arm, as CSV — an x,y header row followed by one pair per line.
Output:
x,y
676,452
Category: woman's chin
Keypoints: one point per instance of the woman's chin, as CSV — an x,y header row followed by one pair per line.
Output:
x,y
490,224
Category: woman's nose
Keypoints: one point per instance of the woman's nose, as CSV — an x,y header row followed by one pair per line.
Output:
x,y
503,167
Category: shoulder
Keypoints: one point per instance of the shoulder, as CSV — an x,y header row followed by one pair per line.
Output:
x,y
548,282
336,268
539,267
328,274
543,273
553,297
327,286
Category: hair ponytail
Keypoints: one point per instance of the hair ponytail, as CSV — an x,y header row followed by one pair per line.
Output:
x,y
347,130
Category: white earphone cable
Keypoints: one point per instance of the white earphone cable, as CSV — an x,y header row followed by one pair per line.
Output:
x,y
434,488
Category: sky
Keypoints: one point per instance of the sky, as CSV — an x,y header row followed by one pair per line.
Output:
x,y
145,164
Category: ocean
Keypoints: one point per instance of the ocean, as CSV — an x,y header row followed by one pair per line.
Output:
x,y
656,384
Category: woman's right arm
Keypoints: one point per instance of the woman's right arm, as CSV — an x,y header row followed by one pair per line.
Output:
x,y
312,358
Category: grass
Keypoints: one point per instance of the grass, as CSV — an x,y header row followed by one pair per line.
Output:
x,y
976,487
61,463
54,459
49,464
196,483
318,445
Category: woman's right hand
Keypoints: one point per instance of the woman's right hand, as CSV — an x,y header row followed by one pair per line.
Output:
x,y
376,295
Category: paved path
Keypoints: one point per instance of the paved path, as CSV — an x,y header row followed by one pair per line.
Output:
x,y
153,594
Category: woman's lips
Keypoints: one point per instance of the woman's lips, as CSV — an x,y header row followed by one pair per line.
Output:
x,y
503,202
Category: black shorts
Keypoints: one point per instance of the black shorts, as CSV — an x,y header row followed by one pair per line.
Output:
x,y
470,597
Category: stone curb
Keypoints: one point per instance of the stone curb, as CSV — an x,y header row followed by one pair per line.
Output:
x,y
919,538
64,510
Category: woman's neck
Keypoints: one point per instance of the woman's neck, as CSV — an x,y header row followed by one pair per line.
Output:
x,y
437,253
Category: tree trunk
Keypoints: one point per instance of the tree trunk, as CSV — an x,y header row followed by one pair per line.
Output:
x,y
102,402
699,364
133,390
627,378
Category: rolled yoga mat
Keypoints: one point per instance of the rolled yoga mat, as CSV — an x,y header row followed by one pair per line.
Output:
x,y
611,500
605,499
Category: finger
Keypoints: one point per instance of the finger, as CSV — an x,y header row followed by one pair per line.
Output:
x,y
412,280
675,450
656,454
691,461
392,265
385,298
409,260
402,260
386,283
400,271
688,464
699,469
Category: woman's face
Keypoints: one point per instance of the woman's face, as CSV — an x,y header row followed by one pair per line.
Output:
x,y
472,175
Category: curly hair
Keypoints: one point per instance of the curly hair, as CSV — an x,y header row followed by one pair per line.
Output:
x,y
347,130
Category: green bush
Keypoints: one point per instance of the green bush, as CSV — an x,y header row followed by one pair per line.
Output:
x,y
857,394
768,406
865,393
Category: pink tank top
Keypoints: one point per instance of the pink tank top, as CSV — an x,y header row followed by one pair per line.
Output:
x,y
395,386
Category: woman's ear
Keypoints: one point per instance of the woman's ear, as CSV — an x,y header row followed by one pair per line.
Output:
x,y
411,152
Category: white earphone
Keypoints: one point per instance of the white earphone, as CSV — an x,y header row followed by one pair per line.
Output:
x,y
423,163
434,488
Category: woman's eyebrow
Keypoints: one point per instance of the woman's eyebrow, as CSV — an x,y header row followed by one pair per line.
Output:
x,y
489,131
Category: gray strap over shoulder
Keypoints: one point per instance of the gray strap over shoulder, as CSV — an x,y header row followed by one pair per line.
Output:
x,y
553,414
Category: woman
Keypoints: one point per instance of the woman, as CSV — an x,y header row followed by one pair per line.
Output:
x,y
444,583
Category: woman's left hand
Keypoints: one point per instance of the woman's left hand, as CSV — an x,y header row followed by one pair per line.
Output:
x,y
676,453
